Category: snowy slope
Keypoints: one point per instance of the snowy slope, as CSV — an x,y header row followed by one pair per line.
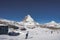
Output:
x,y
35,34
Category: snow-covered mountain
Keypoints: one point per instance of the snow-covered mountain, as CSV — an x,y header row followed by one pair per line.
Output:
x,y
29,22
8,22
28,18
52,24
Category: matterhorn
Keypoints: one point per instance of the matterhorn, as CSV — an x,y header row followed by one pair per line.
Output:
x,y
28,18
29,22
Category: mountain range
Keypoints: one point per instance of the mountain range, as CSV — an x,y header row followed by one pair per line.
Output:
x,y
29,22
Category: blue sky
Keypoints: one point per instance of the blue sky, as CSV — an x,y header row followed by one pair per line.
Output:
x,y
41,10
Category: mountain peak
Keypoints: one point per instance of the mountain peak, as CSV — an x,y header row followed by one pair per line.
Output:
x,y
52,22
28,15
28,18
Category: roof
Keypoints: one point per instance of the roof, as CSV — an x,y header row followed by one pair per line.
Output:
x,y
3,25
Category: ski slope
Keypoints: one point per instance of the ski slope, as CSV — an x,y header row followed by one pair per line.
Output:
x,y
35,34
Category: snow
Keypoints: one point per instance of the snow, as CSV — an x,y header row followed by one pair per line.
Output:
x,y
35,34
52,24
28,18
28,22
3,25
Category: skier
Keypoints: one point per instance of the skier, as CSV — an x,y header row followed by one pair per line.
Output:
x,y
51,32
27,35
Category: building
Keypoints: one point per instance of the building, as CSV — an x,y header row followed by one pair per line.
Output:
x,y
3,29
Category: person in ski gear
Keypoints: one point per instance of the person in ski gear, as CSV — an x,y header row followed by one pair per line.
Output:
x,y
27,35
51,32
